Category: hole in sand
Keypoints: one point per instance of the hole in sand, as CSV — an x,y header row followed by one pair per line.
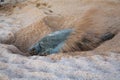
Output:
x,y
88,43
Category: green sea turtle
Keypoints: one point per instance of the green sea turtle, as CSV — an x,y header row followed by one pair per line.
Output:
x,y
52,43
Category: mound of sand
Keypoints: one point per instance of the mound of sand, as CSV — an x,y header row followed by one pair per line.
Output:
x,y
17,67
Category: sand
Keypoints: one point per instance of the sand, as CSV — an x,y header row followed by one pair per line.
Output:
x,y
102,63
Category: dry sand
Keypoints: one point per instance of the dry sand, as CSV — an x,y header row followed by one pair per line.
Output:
x,y
103,63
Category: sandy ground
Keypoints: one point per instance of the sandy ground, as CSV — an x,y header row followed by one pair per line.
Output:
x,y
17,67
103,63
